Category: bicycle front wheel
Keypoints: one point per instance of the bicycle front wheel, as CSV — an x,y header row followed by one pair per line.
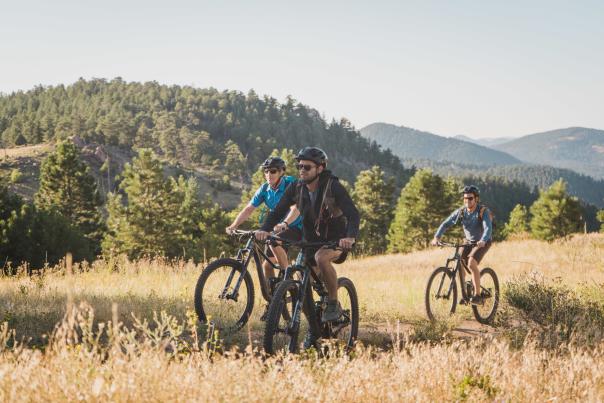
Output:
x,y
282,331
489,290
441,294
224,295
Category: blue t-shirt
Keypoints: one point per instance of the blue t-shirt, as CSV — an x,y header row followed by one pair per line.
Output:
x,y
270,197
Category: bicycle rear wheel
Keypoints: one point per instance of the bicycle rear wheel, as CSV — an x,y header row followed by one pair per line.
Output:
x,y
489,289
441,294
216,300
345,329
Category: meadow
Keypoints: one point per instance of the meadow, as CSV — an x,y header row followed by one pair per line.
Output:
x,y
125,331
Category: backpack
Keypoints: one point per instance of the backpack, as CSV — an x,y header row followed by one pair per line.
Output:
x,y
327,209
483,208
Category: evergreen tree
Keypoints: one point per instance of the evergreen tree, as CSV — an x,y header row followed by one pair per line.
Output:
x,y
518,224
234,160
600,218
374,198
424,203
555,213
148,224
68,188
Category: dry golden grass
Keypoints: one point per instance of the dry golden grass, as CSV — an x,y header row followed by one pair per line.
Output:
x,y
163,362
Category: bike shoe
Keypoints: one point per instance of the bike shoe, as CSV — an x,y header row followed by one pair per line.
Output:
x,y
332,312
463,301
477,300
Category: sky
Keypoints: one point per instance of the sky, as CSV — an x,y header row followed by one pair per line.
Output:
x,y
478,68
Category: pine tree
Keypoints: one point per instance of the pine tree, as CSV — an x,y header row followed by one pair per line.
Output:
x,y
555,213
600,218
67,187
424,203
234,160
518,224
148,224
374,198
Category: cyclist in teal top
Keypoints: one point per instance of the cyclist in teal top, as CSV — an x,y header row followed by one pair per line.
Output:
x,y
269,194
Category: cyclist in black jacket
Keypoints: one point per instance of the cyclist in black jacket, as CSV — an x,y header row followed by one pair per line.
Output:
x,y
329,214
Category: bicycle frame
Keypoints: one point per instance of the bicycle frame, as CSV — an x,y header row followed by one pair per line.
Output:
x,y
244,256
457,270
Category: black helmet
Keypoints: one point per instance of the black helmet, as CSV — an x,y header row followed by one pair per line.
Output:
x,y
313,154
471,189
273,162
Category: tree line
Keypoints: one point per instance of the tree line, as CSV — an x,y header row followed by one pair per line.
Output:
x,y
152,213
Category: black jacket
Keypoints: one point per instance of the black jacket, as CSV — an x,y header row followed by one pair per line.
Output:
x,y
343,222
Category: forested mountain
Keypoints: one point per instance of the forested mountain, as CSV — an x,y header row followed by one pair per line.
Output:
x,y
577,148
534,176
409,143
187,126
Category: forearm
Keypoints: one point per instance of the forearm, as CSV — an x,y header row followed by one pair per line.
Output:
x,y
292,215
243,215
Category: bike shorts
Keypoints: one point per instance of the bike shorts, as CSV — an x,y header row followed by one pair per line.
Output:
x,y
292,234
475,252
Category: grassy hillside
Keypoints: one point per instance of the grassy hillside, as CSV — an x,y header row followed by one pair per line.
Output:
x,y
147,357
577,148
409,143
27,160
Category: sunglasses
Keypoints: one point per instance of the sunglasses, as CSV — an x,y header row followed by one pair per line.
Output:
x,y
306,167
272,171
469,198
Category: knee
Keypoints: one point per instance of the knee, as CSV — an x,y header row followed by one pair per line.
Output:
x,y
321,258
473,262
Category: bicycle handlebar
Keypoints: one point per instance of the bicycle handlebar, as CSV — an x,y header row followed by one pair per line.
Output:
x,y
303,244
455,245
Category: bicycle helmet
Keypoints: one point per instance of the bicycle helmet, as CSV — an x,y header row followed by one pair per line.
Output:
x,y
273,162
471,189
313,154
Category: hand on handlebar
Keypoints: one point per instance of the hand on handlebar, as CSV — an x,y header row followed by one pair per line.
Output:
x,y
346,243
280,227
435,242
230,229
261,235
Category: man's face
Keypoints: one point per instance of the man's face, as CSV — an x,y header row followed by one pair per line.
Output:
x,y
469,200
272,175
308,170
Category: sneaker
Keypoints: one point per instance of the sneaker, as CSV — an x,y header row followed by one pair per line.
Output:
x,y
477,300
310,341
264,314
332,312
463,301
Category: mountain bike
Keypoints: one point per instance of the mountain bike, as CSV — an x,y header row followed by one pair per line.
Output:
x,y
293,297
441,290
224,293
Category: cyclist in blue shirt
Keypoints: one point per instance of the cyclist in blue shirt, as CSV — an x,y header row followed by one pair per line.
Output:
x,y
478,229
269,194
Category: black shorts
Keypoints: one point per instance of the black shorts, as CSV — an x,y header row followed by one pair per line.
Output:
x,y
475,252
292,234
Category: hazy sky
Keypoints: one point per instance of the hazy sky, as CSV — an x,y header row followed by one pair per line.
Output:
x,y
480,68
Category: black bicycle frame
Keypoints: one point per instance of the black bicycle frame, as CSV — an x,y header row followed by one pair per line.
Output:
x,y
459,264
244,255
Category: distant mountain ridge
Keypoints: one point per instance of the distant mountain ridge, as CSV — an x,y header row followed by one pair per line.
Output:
x,y
487,141
407,143
578,148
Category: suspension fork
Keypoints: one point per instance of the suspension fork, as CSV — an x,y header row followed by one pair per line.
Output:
x,y
245,261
